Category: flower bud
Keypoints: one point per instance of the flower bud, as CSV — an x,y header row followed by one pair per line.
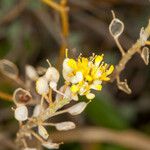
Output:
x,y
50,145
37,110
42,86
31,72
77,108
27,148
21,113
52,74
90,95
63,126
43,132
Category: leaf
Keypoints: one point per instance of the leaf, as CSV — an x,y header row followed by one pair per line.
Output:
x,y
145,55
124,87
102,112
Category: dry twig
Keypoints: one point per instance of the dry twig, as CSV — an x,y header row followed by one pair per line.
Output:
x,y
130,139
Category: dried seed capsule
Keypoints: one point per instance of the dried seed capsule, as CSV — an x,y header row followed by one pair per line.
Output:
x,y
145,55
116,27
21,96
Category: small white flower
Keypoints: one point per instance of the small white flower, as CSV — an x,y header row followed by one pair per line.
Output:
x,y
43,132
50,145
68,92
21,113
52,74
77,108
37,110
63,126
42,86
66,67
77,78
31,72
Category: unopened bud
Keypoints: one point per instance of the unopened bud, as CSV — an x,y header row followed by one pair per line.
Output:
x,y
37,110
50,145
52,74
77,108
42,86
21,113
31,72
43,132
63,126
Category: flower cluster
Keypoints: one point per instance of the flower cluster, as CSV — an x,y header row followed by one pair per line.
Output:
x,y
84,75
41,91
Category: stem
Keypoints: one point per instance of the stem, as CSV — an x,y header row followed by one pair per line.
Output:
x,y
147,42
53,5
119,46
130,139
5,96
128,55
37,137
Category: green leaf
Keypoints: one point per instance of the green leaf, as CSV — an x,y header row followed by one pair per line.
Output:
x,y
102,112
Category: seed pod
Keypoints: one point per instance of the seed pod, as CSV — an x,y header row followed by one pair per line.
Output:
x,y
52,74
43,132
21,96
116,27
42,86
21,113
143,36
8,68
124,87
64,126
77,108
31,72
50,145
145,55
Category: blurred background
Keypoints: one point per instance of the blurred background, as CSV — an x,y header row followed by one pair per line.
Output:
x,y
30,33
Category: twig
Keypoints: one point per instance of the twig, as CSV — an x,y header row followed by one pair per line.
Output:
x,y
63,10
5,96
14,12
130,139
128,55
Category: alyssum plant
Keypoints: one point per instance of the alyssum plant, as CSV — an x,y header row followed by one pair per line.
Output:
x,y
82,76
